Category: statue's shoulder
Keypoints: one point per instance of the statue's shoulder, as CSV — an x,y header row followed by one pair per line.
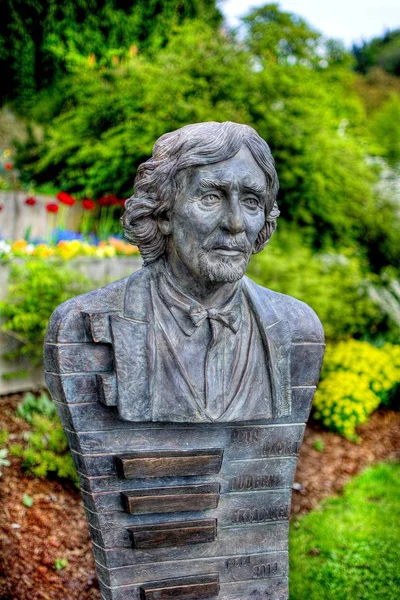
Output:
x,y
66,323
303,322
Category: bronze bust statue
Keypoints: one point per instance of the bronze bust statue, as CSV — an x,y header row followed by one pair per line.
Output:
x,y
187,369
193,339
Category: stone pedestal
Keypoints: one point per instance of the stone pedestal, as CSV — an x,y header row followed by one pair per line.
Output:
x,y
181,510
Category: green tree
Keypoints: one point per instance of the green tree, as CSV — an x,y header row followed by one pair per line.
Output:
x,y
375,88
382,51
385,128
106,119
276,36
38,38
102,120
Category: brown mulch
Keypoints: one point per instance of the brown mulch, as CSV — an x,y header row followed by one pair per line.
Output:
x,y
320,474
31,539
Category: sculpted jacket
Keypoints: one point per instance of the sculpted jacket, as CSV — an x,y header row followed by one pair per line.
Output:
x,y
101,345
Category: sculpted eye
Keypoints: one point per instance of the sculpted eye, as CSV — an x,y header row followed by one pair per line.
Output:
x,y
251,201
210,199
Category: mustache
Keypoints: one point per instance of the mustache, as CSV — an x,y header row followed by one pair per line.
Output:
x,y
240,243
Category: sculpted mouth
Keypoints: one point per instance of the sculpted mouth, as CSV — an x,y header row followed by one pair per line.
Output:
x,y
228,250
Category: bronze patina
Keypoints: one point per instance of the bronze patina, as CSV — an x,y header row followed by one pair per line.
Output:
x,y
184,389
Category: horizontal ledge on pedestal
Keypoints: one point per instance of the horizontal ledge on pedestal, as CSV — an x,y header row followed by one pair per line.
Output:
x,y
171,499
178,533
205,586
169,463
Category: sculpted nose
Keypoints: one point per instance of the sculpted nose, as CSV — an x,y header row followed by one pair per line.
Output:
x,y
233,221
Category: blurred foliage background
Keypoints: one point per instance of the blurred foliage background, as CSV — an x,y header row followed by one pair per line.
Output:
x,y
93,84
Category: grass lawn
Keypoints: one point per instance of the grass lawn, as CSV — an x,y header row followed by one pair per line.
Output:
x,y
349,549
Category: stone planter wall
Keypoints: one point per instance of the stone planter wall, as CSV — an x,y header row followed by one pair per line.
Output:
x,y
16,217
100,271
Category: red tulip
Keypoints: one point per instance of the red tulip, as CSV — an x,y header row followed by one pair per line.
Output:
x,y
122,203
30,201
88,204
65,198
1,207
108,200
52,207
8,166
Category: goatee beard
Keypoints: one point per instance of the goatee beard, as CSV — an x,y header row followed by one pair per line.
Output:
x,y
222,271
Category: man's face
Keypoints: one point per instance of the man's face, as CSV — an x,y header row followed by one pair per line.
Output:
x,y
216,218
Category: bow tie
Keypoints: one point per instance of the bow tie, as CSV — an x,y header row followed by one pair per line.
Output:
x,y
229,318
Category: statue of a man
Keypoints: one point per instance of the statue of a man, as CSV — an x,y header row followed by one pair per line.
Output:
x,y
184,389
194,340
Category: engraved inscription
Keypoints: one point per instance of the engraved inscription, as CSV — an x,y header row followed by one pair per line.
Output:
x,y
260,515
281,448
237,562
254,482
245,436
257,571
266,570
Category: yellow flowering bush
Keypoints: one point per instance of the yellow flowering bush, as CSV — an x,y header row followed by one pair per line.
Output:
x,y
343,401
377,365
357,377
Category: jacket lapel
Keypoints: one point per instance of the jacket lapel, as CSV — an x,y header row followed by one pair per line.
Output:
x,y
137,301
131,339
277,340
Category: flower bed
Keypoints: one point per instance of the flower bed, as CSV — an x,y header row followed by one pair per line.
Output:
x,y
66,249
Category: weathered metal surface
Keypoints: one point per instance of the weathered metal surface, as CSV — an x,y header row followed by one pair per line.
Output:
x,y
179,533
184,389
114,547
275,588
168,464
106,386
186,589
230,569
171,499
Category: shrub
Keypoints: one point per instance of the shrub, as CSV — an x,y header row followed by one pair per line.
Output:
x,y
377,365
36,288
357,377
333,284
343,401
385,127
45,452
36,405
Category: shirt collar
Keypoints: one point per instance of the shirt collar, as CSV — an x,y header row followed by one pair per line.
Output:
x,y
181,305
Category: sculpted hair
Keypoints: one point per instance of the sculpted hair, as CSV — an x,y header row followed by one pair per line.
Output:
x,y
158,179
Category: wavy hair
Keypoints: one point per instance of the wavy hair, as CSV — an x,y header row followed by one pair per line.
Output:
x,y
158,179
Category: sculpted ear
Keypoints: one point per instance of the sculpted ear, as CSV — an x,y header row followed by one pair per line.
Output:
x,y
164,223
266,232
